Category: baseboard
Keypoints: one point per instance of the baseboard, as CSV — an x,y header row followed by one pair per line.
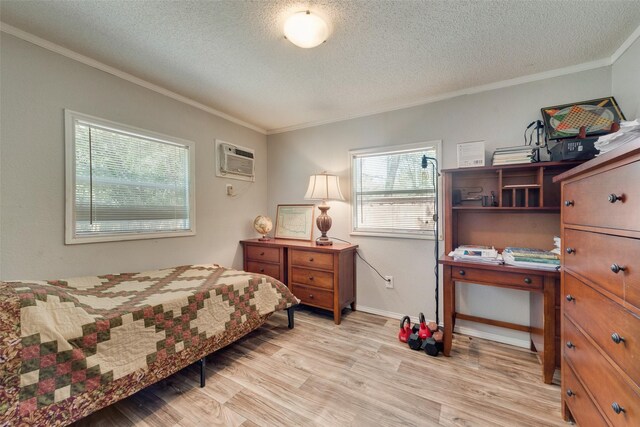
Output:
x,y
459,329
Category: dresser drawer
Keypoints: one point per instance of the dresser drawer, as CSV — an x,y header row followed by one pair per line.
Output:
x,y
582,407
311,259
261,253
272,270
313,296
304,276
601,318
526,281
590,199
595,256
602,380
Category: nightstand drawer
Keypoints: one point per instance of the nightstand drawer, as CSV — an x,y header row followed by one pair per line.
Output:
x,y
526,281
272,270
606,260
312,259
602,380
313,296
609,199
261,253
321,279
601,318
582,408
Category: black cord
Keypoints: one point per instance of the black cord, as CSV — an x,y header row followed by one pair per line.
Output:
x,y
365,261
436,230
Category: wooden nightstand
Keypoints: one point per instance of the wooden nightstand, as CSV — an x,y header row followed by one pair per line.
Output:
x,y
320,276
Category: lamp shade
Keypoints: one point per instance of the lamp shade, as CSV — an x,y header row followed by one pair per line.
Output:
x,y
324,187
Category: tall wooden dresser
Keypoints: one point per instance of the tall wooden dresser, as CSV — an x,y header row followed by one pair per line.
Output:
x,y
600,308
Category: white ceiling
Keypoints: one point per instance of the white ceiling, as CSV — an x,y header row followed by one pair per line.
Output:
x,y
230,55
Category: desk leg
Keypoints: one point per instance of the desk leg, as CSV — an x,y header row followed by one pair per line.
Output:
x,y
549,357
449,294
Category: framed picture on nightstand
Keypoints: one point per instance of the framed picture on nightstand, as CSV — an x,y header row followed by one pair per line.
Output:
x,y
295,222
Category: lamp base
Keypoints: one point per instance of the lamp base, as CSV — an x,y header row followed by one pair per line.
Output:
x,y
324,224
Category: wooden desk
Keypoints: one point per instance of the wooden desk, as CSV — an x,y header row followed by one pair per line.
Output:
x,y
321,276
544,286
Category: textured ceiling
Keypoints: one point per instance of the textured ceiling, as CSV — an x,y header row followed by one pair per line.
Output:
x,y
231,55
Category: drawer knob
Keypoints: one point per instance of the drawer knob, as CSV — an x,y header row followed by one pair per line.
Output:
x,y
568,203
570,344
615,198
310,277
570,298
462,272
311,259
262,270
527,280
617,268
617,408
570,392
617,338
571,251
310,296
261,253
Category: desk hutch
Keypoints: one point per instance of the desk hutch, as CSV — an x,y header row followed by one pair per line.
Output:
x,y
526,214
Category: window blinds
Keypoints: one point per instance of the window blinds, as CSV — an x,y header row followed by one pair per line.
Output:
x,y
393,193
127,183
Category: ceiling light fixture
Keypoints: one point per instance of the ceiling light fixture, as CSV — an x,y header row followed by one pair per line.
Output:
x,y
306,30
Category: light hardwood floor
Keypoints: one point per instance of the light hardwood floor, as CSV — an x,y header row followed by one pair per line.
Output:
x,y
357,373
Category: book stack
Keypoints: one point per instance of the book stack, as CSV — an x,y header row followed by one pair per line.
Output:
x,y
531,258
515,155
483,254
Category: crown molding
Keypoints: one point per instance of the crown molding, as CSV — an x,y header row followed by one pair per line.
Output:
x,y
448,95
625,45
28,37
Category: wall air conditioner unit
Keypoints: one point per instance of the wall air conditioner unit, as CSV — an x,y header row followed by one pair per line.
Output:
x,y
234,161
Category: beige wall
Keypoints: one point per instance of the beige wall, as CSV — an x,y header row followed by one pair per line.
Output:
x,y
36,86
625,81
499,117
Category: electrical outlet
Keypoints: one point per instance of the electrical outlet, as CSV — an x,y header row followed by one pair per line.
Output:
x,y
230,190
389,282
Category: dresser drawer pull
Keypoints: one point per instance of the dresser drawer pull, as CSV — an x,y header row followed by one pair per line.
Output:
x,y
261,253
310,277
568,203
570,393
527,280
617,338
310,296
262,270
311,259
570,344
617,268
461,272
570,298
571,251
614,198
617,408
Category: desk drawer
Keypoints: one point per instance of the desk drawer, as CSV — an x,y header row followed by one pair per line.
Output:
x,y
304,276
313,296
272,270
582,407
601,318
312,259
526,281
590,198
261,253
602,380
594,255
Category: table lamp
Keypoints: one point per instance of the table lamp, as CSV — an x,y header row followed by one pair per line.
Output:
x,y
324,187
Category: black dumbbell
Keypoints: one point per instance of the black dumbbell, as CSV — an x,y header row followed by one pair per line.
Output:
x,y
430,347
414,342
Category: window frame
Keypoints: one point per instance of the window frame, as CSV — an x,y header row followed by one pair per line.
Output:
x,y
395,149
71,237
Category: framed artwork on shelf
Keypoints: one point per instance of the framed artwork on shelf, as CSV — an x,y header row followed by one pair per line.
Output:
x,y
597,116
295,222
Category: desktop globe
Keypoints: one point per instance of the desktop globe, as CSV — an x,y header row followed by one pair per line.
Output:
x,y
263,225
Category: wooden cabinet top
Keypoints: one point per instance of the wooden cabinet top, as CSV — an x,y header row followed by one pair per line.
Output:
x,y
301,244
522,166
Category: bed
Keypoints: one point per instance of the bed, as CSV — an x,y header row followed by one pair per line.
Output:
x,y
70,347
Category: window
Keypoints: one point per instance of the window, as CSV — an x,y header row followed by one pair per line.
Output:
x,y
392,195
124,183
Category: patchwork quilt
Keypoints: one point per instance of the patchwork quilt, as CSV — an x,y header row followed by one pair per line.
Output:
x,y
70,347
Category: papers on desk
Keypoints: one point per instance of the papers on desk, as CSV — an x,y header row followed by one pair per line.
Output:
x,y
483,254
629,131
531,258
